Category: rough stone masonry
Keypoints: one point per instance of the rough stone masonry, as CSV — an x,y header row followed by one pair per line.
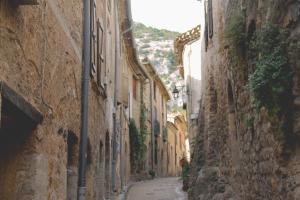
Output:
x,y
246,151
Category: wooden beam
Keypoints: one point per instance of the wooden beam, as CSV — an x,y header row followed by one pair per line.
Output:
x,y
23,105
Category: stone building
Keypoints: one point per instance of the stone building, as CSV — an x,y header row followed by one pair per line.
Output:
x,y
133,81
40,87
175,144
247,145
188,50
159,96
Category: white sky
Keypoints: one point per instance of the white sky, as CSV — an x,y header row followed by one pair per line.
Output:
x,y
174,15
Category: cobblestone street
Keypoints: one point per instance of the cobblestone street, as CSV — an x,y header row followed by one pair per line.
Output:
x,y
158,189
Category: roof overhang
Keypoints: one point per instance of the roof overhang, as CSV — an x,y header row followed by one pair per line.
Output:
x,y
180,42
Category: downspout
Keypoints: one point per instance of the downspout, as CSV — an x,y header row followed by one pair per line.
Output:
x,y
115,100
152,125
121,150
84,100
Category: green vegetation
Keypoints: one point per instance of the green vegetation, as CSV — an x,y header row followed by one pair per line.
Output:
x,y
235,41
137,147
235,31
160,51
185,174
137,139
152,174
155,34
171,59
272,78
271,82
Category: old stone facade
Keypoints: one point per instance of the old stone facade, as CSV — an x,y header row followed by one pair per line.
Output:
x,y
188,49
175,145
159,96
40,74
242,151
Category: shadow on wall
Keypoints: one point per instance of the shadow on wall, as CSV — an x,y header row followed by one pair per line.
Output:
x,y
193,97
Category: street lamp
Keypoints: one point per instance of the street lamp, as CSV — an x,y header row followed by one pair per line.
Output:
x,y
175,93
179,89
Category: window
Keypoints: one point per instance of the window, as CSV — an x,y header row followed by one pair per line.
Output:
x,y
208,32
97,47
210,19
100,56
134,87
93,39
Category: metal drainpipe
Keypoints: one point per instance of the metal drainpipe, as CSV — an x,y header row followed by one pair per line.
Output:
x,y
115,100
84,100
152,125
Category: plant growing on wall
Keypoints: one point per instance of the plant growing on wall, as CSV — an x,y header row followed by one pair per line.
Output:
x,y
143,128
235,40
138,138
271,82
137,147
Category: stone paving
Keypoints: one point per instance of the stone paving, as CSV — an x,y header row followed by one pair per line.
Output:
x,y
158,189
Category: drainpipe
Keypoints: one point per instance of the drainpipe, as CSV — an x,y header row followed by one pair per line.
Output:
x,y
152,125
121,151
115,99
84,100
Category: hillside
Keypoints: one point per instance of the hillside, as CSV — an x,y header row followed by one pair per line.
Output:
x,y
157,45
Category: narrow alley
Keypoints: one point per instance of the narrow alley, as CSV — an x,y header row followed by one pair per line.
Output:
x,y
149,99
158,189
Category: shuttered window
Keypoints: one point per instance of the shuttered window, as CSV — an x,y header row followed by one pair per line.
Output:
x,y
97,47
206,26
93,40
210,19
100,54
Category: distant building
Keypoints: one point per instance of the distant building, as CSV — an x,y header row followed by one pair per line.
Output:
x,y
176,144
159,96
188,53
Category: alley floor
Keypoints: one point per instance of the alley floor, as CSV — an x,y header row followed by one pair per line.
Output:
x,y
158,189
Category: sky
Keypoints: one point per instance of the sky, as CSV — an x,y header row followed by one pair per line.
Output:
x,y
174,15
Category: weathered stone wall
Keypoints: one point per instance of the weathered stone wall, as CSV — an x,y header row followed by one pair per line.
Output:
x,y
237,154
40,58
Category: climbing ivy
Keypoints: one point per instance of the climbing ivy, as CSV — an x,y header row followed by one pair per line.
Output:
x,y
235,39
137,138
235,31
143,128
271,82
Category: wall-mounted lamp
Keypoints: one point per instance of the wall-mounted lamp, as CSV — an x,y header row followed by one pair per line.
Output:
x,y
176,91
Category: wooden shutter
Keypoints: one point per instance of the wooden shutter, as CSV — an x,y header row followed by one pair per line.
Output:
x,y
210,19
93,39
100,56
206,25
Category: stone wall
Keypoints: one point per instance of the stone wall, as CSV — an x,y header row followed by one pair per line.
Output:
x,y
238,153
40,59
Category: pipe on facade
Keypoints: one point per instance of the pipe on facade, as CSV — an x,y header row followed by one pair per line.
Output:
x,y
84,100
116,91
152,126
